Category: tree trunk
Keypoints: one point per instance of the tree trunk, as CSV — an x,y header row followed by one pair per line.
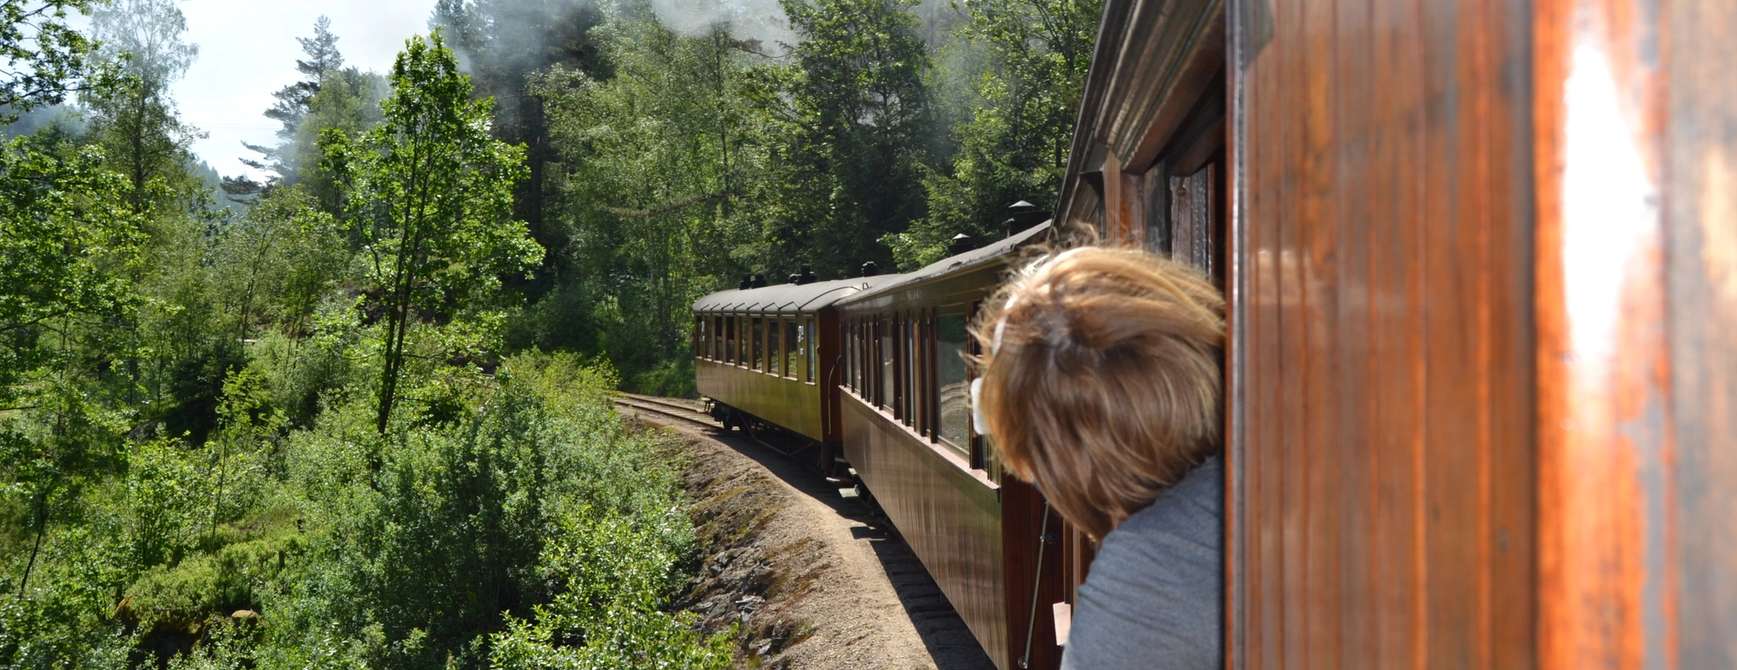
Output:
x,y
41,530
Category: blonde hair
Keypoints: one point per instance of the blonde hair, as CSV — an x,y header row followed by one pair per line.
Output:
x,y
1101,378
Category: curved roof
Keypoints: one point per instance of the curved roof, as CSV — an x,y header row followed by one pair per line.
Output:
x,y
994,252
789,298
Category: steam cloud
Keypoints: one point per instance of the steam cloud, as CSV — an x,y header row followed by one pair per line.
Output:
x,y
748,20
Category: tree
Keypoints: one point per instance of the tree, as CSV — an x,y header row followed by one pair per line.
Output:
x,y
855,125
503,44
294,101
42,58
67,241
431,193
135,117
656,199
277,261
1015,144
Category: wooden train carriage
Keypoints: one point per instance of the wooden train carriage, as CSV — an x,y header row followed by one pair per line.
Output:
x,y
771,353
908,435
1479,258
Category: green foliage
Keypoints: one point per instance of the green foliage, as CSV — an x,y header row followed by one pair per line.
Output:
x,y
67,245
1015,144
430,192
45,56
197,404
659,164
857,128
134,116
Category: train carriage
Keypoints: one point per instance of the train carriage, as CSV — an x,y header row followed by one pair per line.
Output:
x,y
909,436
768,355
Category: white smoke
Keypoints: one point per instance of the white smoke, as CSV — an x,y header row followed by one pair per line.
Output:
x,y
761,21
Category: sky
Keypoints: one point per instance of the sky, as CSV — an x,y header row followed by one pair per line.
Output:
x,y
248,50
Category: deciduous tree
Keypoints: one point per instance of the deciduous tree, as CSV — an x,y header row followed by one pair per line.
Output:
x,y
431,193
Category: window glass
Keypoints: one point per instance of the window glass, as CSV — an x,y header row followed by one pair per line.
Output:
x,y
717,337
729,340
908,366
884,394
950,378
795,348
756,345
808,350
775,345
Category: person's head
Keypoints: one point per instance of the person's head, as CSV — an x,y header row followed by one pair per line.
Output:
x,y
1100,378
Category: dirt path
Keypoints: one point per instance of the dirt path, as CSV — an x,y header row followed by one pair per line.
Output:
x,y
814,577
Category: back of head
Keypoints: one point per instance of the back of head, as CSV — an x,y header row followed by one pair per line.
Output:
x,y
1101,381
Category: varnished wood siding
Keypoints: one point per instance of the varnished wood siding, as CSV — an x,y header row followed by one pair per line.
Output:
x,y
1382,510
950,517
1701,285
790,403
1637,272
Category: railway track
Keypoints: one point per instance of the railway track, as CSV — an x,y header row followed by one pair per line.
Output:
x,y
661,408
692,414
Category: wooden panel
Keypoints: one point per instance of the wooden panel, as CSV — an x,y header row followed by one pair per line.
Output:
x,y
950,516
1637,300
1381,429
1701,290
792,404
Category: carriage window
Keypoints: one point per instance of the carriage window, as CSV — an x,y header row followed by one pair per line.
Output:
x,y
729,353
950,377
776,347
883,394
756,344
794,346
853,365
908,366
808,352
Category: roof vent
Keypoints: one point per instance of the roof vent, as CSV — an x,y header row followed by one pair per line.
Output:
x,y
794,278
1022,215
869,269
961,243
746,283
759,281
808,275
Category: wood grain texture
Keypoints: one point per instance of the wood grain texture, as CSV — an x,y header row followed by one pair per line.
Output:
x,y
1603,363
1384,333
1700,199
951,519
1636,258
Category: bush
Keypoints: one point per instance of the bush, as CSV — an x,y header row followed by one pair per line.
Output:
x,y
536,501
669,378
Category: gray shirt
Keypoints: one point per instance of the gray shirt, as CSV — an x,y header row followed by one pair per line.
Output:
x,y
1154,595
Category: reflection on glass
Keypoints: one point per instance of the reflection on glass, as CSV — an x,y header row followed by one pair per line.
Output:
x,y
807,339
793,346
950,377
757,335
885,397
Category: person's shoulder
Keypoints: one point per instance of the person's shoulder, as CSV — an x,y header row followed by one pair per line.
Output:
x,y
1190,513
1154,587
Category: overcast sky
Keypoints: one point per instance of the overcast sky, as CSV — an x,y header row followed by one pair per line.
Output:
x,y
248,49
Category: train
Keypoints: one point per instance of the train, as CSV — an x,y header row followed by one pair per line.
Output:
x,y
1479,374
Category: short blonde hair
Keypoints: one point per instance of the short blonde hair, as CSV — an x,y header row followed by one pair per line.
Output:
x,y
1104,387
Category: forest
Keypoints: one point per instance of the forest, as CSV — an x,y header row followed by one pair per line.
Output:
x,y
354,412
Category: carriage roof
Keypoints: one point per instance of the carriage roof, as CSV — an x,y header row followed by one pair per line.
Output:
x,y
788,298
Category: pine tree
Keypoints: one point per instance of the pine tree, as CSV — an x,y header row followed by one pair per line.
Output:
x,y
294,100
